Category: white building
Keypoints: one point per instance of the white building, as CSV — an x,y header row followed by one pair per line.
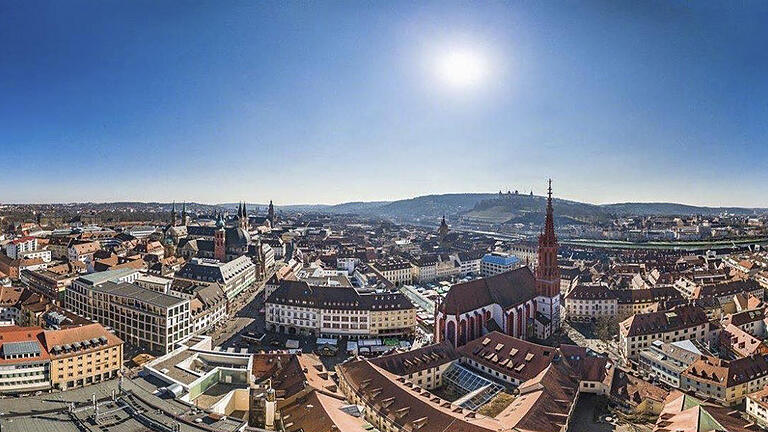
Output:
x,y
469,263
83,251
141,317
42,254
18,246
425,268
638,332
154,283
397,271
208,307
757,407
498,262
297,308
24,363
586,303
234,276
347,263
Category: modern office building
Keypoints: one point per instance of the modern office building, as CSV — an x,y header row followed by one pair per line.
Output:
x,y
140,316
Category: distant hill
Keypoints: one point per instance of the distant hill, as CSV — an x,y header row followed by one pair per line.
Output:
x,y
356,207
672,209
428,207
530,209
491,207
507,208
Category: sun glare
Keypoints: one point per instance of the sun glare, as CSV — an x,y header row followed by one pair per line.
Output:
x,y
462,68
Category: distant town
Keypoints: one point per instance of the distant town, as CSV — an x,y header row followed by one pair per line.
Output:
x,y
474,312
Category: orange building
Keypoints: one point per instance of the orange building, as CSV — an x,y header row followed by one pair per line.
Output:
x,y
83,355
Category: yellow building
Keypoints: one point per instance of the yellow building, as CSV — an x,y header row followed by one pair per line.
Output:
x,y
83,355
393,322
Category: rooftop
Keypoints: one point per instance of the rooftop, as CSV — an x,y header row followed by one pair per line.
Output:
x,y
143,295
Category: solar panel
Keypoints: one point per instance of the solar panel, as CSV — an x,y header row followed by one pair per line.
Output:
x,y
21,348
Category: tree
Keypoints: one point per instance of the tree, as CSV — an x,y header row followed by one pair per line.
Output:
x,y
606,327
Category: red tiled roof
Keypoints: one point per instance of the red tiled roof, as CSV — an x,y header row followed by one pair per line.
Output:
x,y
728,373
69,336
12,334
514,357
663,321
417,360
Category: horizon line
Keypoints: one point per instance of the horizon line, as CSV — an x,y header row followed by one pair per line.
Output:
x,y
555,197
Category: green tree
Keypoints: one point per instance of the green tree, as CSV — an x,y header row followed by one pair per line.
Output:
x,y
606,328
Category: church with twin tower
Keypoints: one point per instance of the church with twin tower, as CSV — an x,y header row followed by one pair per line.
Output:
x,y
519,302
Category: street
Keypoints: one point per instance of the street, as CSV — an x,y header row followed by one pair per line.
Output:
x,y
244,316
582,334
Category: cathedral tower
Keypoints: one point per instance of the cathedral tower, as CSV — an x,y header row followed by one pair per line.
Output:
x,y
443,230
242,216
271,213
219,240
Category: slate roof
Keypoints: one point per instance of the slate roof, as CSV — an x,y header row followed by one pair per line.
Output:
x,y
133,291
11,335
292,292
22,347
728,288
506,289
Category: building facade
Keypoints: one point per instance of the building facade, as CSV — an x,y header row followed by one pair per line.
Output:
x,y
727,382
18,247
517,302
295,307
83,355
638,332
139,316
498,262
24,363
397,271
234,276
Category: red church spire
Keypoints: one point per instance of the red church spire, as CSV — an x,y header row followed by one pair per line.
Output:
x,y
547,272
548,237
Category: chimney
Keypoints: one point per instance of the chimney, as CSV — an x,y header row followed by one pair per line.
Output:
x,y
270,405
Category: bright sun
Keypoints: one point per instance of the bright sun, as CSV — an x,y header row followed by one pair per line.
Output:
x,y
462,68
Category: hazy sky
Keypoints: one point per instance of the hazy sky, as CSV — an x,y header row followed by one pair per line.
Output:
x,y
325,102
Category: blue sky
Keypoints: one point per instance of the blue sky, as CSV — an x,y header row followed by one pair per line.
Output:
x,y
325,102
